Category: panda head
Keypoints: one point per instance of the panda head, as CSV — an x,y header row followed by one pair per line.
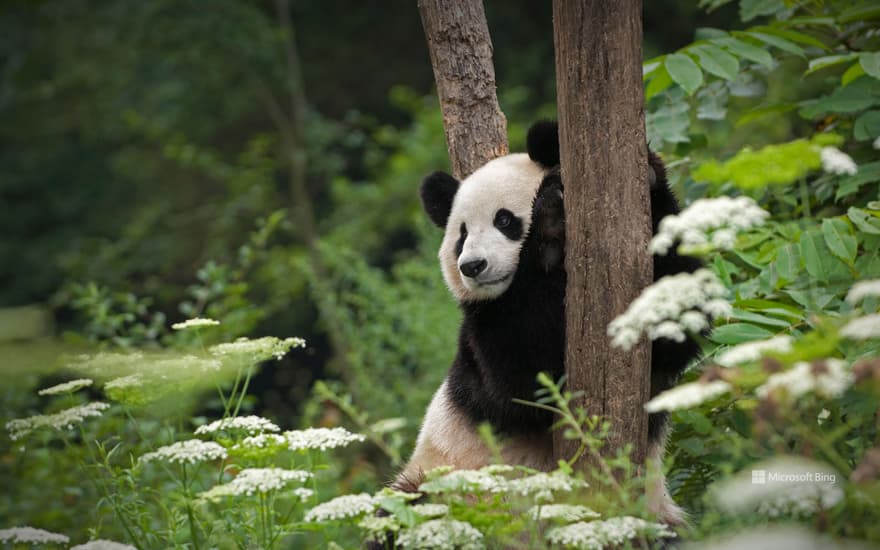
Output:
x,y
487,216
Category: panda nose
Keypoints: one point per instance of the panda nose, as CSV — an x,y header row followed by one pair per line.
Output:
x,y
473,268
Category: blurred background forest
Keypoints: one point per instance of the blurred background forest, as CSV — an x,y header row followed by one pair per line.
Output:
x,y
160,160
257,162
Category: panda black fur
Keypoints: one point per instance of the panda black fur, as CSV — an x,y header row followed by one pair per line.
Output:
x,y
502,257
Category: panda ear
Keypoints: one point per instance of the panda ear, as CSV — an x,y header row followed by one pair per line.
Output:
x,y
438,190
542,143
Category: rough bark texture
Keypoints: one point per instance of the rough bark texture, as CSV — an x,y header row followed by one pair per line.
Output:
x,y
461,55
608,221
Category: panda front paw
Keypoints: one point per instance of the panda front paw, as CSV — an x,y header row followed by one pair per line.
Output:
x,y
549,221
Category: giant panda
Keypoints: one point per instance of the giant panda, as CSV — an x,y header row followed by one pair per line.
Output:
x,y
502,257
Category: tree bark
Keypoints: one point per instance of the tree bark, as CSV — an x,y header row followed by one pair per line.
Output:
x,y
461,55
607,209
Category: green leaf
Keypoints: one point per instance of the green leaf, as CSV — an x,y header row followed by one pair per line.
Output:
x,y
750,9
813,299
758,319
867,126
870,61
855,70
794,36
860,13
813,254
658,83
864,221
776,41
737,333
820,63
684,72
839,238
849,185
765,111
788,262
716,61
746,50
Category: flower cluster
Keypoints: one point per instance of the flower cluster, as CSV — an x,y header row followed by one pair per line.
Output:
x,y
835,161
442,534
124,382
31,535
670,307
190,451
102,544
67,387
64,420
198,322
686,396
541,486
259,480
466,481
862,290
185,363
259,349
249,424
430,510
345,506
862,328
567,513
260,441
320,438
752,351
723,217
612,532
827,378
107,363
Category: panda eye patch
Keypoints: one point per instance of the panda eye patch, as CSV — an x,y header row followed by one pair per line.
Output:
x,y
503,218
508,224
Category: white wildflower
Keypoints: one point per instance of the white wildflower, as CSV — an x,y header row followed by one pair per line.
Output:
x,y
862,328
823,415
320,438
660,311
251,481
104,364
835,161
66,387
124,382
198,322
612,532
786,480
64,420
708,221
379,527
185,363
260,349
563,512
827,378
687,395
190,451
465,481
249,424
346,506
442,534
863,289
261,441
31,535
430,510
542,485
303,494
752,351
102,544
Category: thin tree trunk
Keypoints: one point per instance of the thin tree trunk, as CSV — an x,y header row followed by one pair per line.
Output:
x,y
607,209
461,55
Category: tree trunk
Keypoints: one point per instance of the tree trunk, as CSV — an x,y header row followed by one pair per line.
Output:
x,y
461,55
607,209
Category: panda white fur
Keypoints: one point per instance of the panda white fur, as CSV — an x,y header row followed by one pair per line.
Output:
x,y
502,257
